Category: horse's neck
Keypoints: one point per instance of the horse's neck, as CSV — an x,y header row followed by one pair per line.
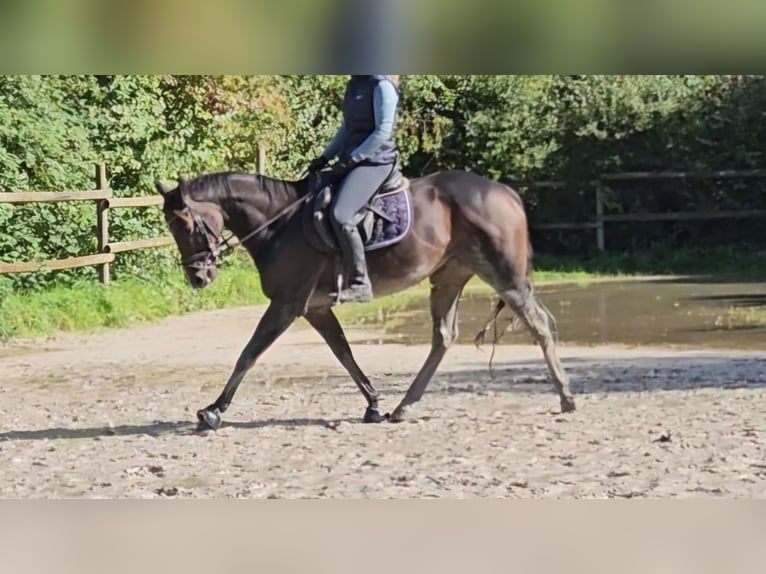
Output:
x,y
253,202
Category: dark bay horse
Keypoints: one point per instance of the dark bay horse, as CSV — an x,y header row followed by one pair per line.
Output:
x,y
462,225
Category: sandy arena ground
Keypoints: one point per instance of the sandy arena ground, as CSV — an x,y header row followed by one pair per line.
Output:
x,y
111,415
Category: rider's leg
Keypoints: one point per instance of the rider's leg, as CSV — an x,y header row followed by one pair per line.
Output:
x,y
354,192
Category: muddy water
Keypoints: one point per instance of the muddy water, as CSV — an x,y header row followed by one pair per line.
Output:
x,y
679,313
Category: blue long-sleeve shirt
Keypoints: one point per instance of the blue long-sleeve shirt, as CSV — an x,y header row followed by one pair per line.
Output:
x,y
385,100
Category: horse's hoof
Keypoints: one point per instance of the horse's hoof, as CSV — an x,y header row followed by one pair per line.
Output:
x,y
209,419
397,416
567,404
373,416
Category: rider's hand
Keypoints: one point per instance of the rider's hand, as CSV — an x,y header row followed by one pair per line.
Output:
x,y
318,163
341,168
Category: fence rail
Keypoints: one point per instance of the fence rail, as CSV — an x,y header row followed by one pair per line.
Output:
x,y
146,201
54,196
56,264
122,246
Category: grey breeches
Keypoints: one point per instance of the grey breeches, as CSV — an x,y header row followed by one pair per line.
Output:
x,y
356,189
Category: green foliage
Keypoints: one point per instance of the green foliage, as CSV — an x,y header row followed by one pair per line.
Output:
x,y
505,126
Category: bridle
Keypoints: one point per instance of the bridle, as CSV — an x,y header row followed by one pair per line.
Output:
x,y
207,259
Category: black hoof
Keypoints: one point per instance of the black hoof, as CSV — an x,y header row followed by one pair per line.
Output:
x,y
209,419
567,405
395,417
373,416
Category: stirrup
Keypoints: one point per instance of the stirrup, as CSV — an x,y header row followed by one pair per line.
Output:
x,y
358,293
355,294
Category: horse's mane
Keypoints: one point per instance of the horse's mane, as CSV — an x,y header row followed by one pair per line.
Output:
x,y
210,186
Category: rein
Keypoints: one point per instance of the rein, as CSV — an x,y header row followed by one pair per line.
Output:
x,y
257,230
218,247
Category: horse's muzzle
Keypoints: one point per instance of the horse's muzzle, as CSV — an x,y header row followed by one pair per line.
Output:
x,y
201,276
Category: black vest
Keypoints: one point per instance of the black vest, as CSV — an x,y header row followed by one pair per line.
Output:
x,y
359,117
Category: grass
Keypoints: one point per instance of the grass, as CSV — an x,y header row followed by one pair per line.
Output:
x,y
86,307
90,306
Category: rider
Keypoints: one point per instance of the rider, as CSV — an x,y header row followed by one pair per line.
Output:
x,y
367,157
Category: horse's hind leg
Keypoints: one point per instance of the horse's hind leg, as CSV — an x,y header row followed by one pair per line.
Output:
x,y
525,304
446,286
326,324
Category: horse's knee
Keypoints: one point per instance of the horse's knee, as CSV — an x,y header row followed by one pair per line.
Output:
x,y
518,298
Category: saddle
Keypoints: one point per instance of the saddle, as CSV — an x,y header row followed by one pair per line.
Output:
x,y
383,221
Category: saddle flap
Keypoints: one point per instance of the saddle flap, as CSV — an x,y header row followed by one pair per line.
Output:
x,y
367,226
384,221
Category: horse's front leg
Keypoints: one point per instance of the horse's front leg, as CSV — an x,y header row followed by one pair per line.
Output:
x,y
278,317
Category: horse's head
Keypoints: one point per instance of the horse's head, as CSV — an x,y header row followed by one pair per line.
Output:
x,y
196,227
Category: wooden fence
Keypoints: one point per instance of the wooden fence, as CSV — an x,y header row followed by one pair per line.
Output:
x,y
601,185
105,201
107,249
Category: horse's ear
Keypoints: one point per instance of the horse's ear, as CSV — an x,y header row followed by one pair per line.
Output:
x,y
186,217
161,188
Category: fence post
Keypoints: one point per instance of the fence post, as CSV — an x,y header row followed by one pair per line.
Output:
x,y
260,165
102,221
600,244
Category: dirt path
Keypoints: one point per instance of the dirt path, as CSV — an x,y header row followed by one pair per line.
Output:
x,y
110,415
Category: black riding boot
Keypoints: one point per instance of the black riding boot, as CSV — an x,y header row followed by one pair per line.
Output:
x,y
359,287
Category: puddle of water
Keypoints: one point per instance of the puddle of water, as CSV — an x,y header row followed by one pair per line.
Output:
x,y
717,315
